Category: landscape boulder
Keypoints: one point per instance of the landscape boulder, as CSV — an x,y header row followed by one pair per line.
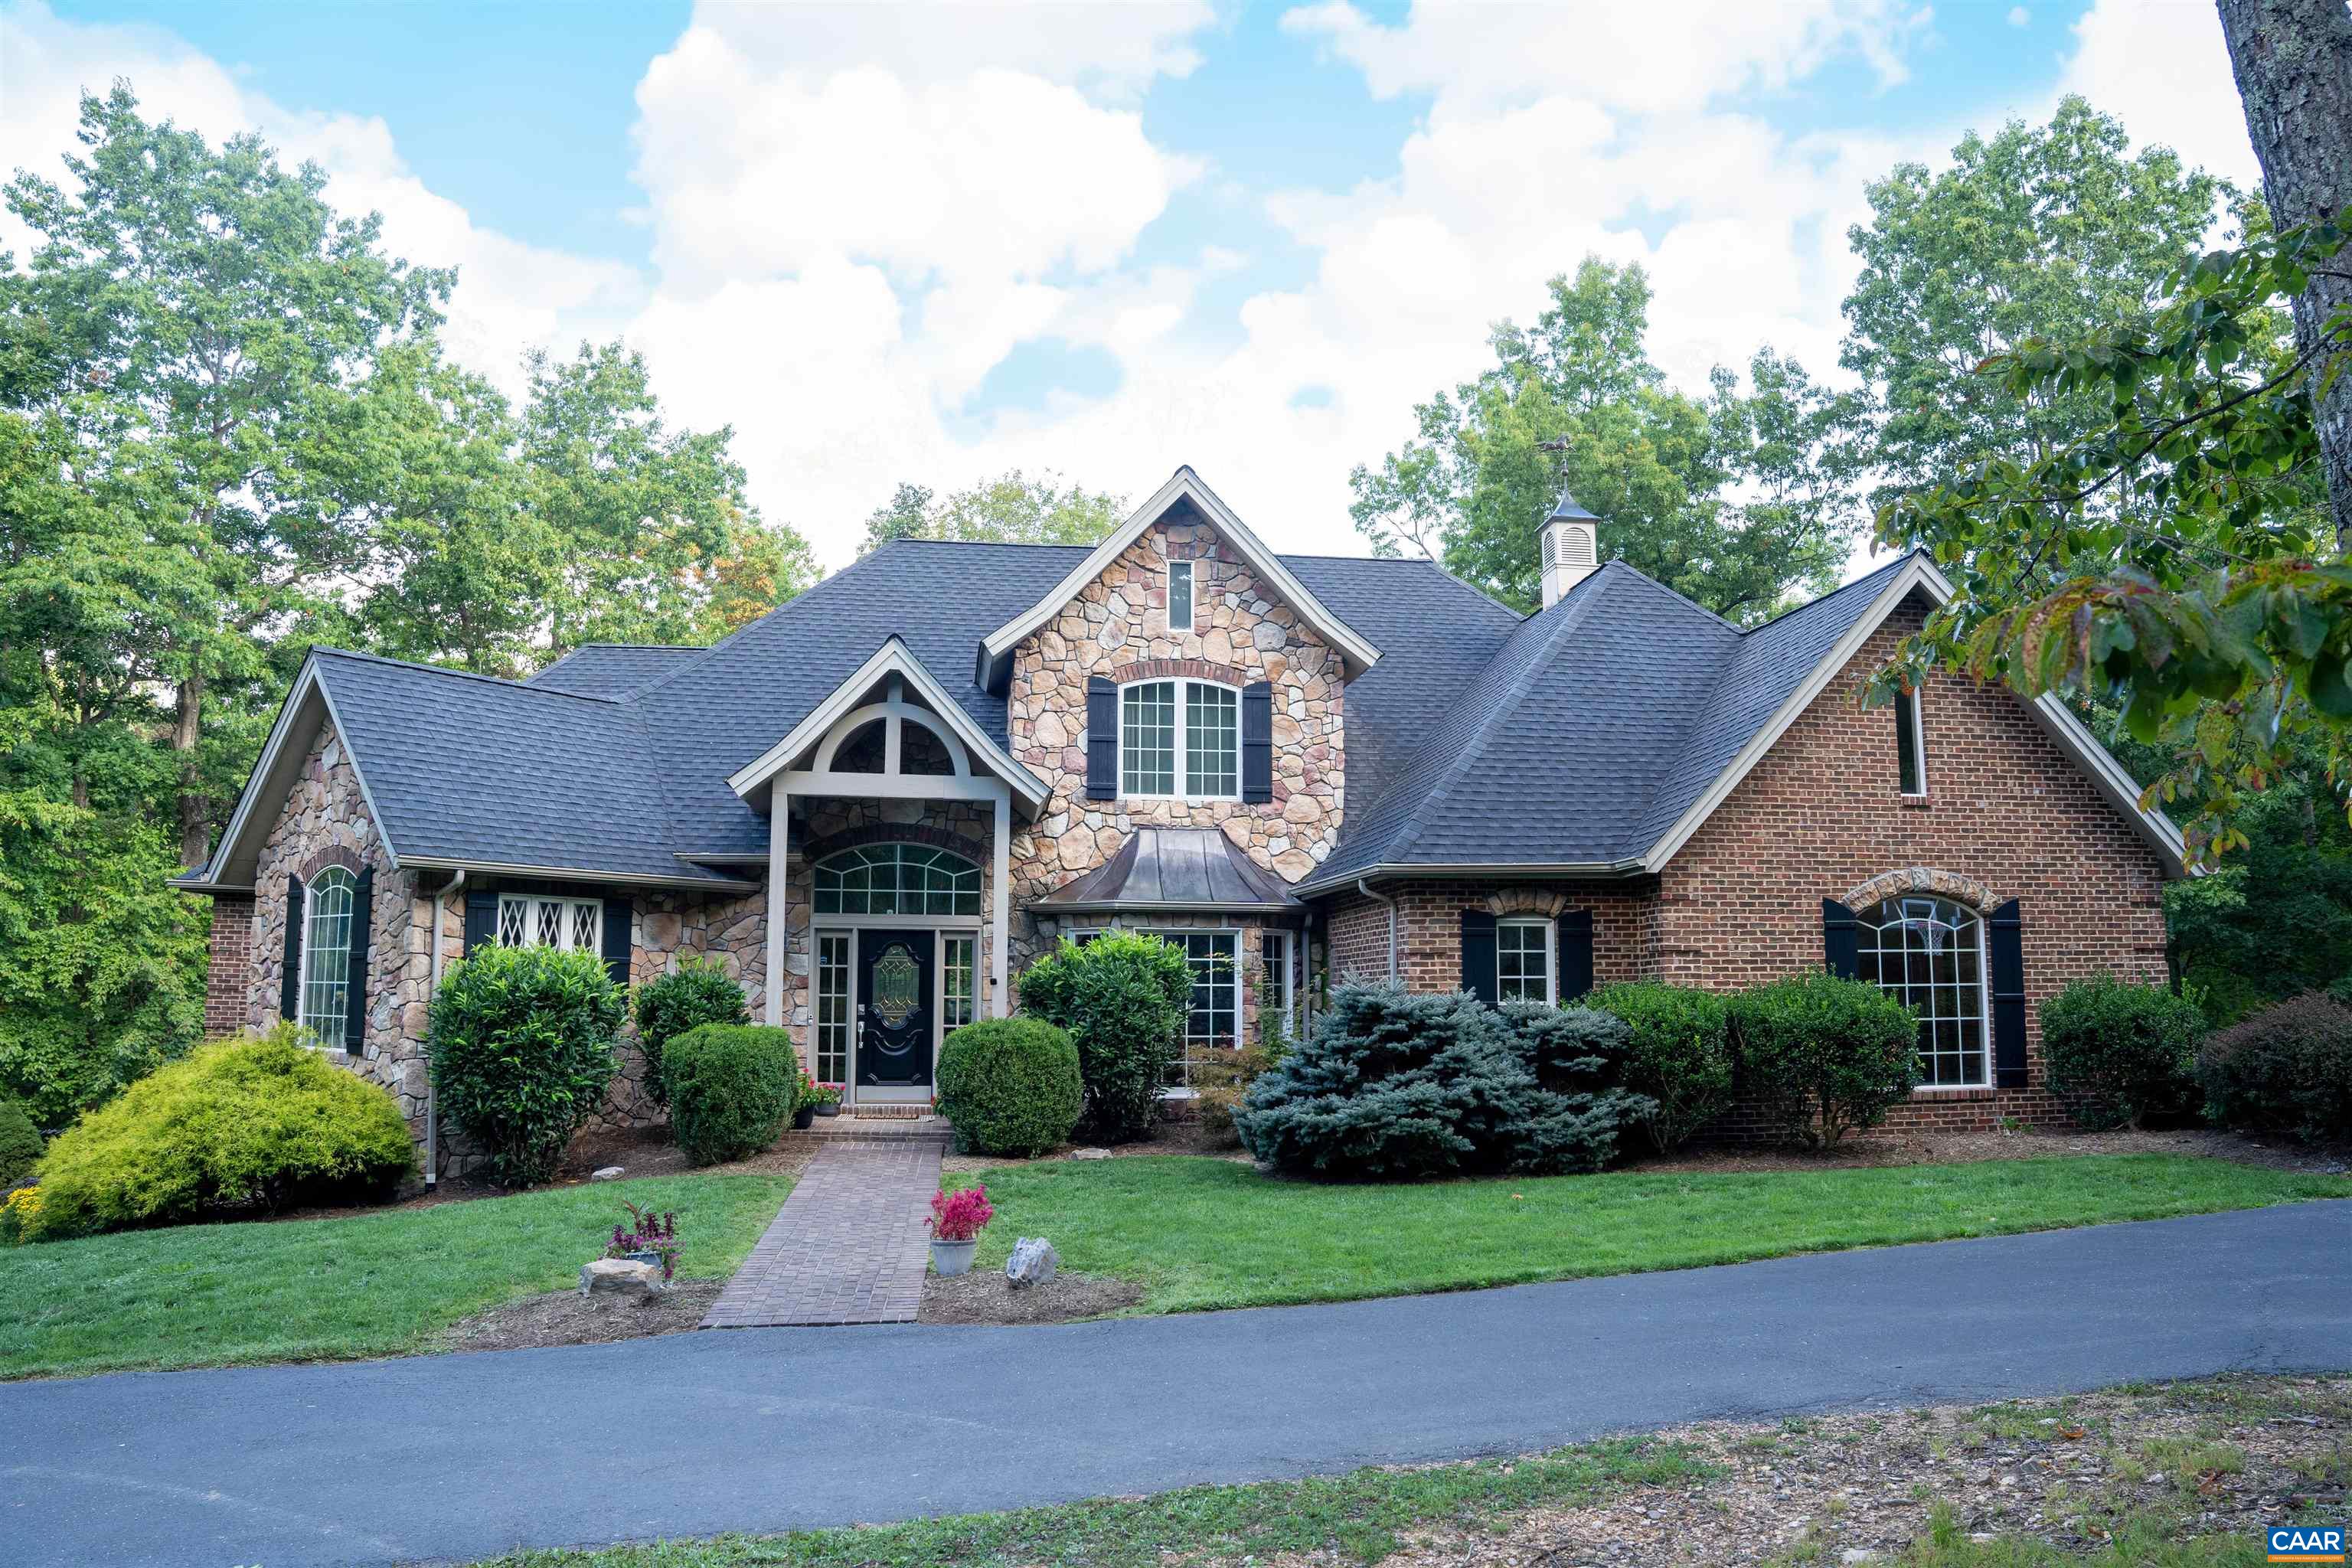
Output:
x,y
623,1277
1032,1262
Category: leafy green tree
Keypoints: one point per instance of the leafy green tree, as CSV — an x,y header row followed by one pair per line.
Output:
x,y
649,522
1734,501
2040,230
200,319
1011,509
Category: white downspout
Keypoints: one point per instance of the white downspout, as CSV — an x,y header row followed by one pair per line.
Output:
x,y
432,989
1365,887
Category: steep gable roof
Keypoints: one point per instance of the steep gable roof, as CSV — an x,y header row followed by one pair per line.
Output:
x,y
611,668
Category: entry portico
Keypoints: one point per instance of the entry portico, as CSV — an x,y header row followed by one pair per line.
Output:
x,y
894,936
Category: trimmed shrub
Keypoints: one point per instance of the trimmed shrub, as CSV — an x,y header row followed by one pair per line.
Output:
x,y
2287,1068
1011,1086
1678,1054
521,1053
1824,1057
696,993
1123,998
1401,1085
237,1127
2121,1052
20,1144
731,1089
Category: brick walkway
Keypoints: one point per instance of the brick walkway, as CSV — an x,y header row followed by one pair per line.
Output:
x,y
848,1245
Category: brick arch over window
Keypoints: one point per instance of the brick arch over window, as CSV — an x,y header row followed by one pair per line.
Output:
x,y
1526,902
897,833
1177,669
333,855
1923,879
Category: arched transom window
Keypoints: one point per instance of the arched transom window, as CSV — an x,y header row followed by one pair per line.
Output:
x,y
897,879
1929,953
326,995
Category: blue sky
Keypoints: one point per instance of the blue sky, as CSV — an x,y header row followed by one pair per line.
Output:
x,y
932,243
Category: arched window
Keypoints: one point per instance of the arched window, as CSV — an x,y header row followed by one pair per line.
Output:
x,y
326,994
1928,952
897,879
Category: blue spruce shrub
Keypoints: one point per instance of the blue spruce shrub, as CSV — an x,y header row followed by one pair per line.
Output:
x,y
1397,1086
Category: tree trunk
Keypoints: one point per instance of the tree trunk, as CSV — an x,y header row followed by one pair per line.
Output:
x,y
2293,60
187,729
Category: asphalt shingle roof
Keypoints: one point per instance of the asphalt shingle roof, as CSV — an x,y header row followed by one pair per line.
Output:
x,y
1480,736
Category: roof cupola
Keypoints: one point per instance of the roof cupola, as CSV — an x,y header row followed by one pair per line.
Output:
x,y
1571,551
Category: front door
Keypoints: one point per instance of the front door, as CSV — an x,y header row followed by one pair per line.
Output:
x,y
894,1008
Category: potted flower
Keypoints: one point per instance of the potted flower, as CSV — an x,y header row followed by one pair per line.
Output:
x,y
648,1237
828,1099
956,1222
803,1103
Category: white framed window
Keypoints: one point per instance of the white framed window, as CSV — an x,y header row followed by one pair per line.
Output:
x,y
1179,738
897,879
1180,596
1929,953
1910,745
1523,961
959,981
327,938
539,919
1212,1020
1276,990
833,1007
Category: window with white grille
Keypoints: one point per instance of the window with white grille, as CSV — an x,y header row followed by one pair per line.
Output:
x,y
1179,738
535,920
1929,953
327,938
1523,961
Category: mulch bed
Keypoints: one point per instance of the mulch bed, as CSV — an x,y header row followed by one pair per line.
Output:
x,y
2218,1459
568,1318
987,1297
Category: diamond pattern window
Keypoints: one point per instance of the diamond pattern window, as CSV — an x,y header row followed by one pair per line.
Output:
x,y
537,919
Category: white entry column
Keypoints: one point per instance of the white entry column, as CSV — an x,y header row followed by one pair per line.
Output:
x,y
779,896
1000,902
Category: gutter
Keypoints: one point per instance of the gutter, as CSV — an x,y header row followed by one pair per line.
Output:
x,y
1364,886
1630,866
432,989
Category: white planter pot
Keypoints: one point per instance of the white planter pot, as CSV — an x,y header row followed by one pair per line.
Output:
x,y
952,1257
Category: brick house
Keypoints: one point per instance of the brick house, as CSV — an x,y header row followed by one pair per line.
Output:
x,y
939,761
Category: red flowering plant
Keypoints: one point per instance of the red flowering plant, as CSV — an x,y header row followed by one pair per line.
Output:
x,y
646,1232
960,1215
826,1094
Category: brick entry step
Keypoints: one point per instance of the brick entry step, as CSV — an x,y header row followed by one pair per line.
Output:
x,y
848,1245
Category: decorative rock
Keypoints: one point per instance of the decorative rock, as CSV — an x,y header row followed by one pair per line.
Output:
x,y
1089,1153
605,1173
1857,1554
1032,1262
620,1276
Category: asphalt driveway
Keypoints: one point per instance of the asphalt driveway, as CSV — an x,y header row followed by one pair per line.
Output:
x,y
762,1429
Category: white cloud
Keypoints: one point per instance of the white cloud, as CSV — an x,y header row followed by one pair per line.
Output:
x,y
2160,67
2019,16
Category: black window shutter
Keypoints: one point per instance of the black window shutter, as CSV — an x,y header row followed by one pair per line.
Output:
x,y
1478,955
355,991
1841,940
616,941
482,919
1102,739
2007,997
1575,928
1257,741
289,984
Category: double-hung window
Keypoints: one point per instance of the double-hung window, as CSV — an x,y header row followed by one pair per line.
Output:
x,y
536,920
1179,738
1523,961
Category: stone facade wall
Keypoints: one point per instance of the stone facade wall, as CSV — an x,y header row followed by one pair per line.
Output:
x,y
326,822
1118,627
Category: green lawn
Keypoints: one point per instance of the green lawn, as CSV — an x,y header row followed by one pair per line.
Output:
x,y
1200,1233
326,1289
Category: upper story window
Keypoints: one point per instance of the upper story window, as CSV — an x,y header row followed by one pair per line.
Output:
x,y
1179,738
538,920
897,879
1523,961
327,938
1910,750
1180,596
